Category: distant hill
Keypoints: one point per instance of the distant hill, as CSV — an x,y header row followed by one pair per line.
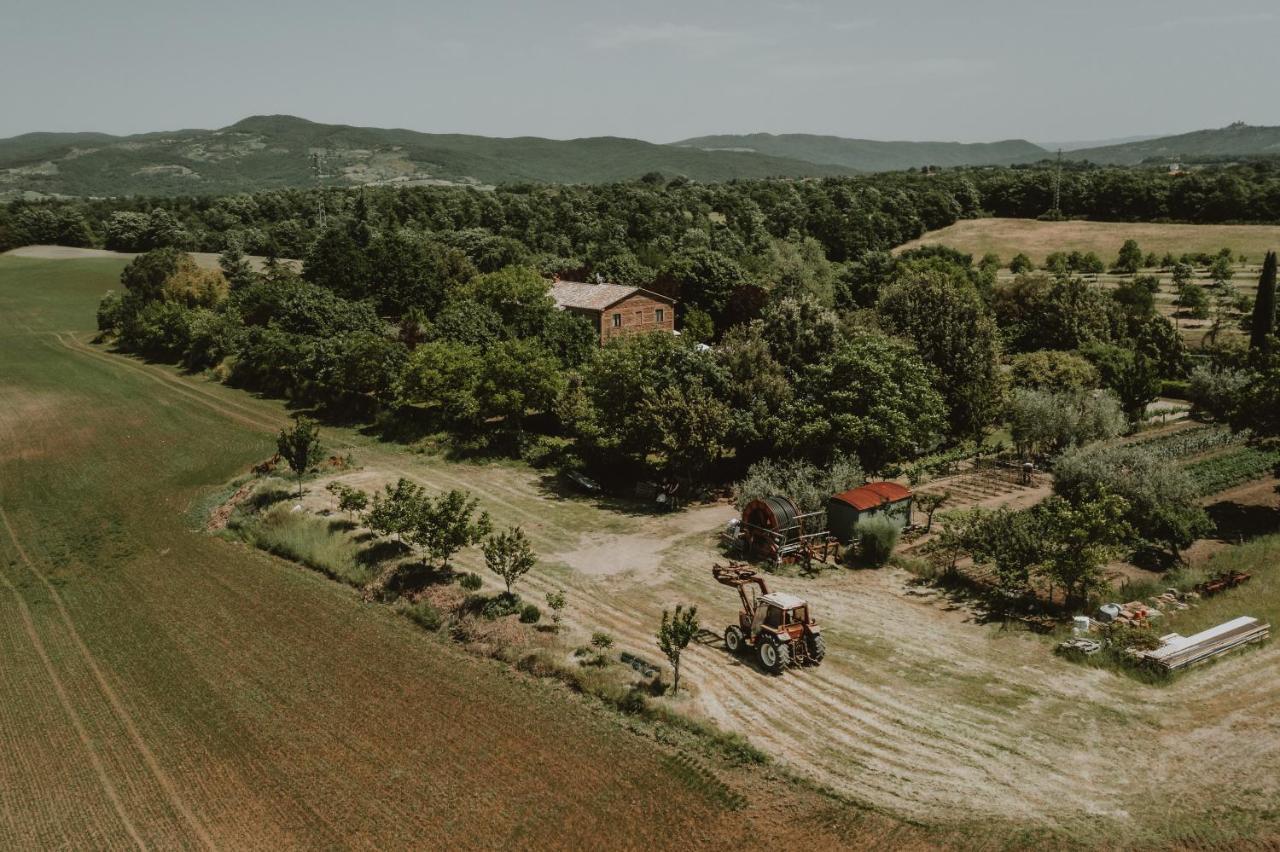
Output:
x,y
868,155
1237,140
266,152
1076,145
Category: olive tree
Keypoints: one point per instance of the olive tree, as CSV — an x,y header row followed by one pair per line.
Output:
x,y
1161,503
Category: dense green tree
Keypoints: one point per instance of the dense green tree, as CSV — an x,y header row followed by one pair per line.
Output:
x,y
698,326
1078,540
514,378
757,388
1012,542
799,332
1058,262
1039,312
859,282
619,382
362,369
1193,299
518,295
1053,371
1256,405
1221,272
689,426
337,262
705,279
954,331
1134,297
872,397
798,270
236,267
440,378
1129,261
146,274
1020,264
1134,376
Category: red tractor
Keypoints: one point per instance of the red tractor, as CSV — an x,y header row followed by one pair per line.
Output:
x,y
777,626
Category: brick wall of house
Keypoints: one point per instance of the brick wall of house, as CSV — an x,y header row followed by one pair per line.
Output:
x,y
637,314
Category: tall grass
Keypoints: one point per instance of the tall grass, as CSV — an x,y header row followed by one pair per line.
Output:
x,y
310,540
1259,597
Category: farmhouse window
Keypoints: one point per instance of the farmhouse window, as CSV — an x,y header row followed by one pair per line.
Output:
x,y
617,320
659,315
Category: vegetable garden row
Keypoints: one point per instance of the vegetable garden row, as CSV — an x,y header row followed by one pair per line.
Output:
x,y
1219,472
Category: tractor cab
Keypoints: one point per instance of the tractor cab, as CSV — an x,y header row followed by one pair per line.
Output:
x,y
777,613
776,625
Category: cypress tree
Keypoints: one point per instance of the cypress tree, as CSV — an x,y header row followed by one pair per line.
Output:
x,y
1264,306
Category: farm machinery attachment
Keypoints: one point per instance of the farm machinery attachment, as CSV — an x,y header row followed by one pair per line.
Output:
x,y
777,627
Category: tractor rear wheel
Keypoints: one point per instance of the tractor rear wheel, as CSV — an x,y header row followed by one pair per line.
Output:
x,y
817,648
774,656
733,639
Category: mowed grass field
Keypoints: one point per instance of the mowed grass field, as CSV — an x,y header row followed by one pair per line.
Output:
x,y
163,688
1036,239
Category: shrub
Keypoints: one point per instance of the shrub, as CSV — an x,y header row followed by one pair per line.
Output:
x,y
877,537
470,581
530,614
501,606
111,312
1176,389
601,640
633,701
425,615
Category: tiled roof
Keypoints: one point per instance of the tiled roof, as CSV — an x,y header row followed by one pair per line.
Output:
x,y
593,297
873,494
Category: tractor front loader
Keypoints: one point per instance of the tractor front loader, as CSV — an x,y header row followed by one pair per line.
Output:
x,y
776,626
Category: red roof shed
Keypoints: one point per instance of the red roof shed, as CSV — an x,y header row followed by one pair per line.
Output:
x,y
873,494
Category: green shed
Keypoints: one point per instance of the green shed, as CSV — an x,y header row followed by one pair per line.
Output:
x,y
889,499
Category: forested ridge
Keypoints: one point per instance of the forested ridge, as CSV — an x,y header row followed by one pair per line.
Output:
x,y
643,218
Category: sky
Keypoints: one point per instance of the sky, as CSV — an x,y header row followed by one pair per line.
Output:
x,y
966,70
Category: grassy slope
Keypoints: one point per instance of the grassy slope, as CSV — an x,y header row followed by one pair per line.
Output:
x,y
872,155
280,157
1007,237
172,688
